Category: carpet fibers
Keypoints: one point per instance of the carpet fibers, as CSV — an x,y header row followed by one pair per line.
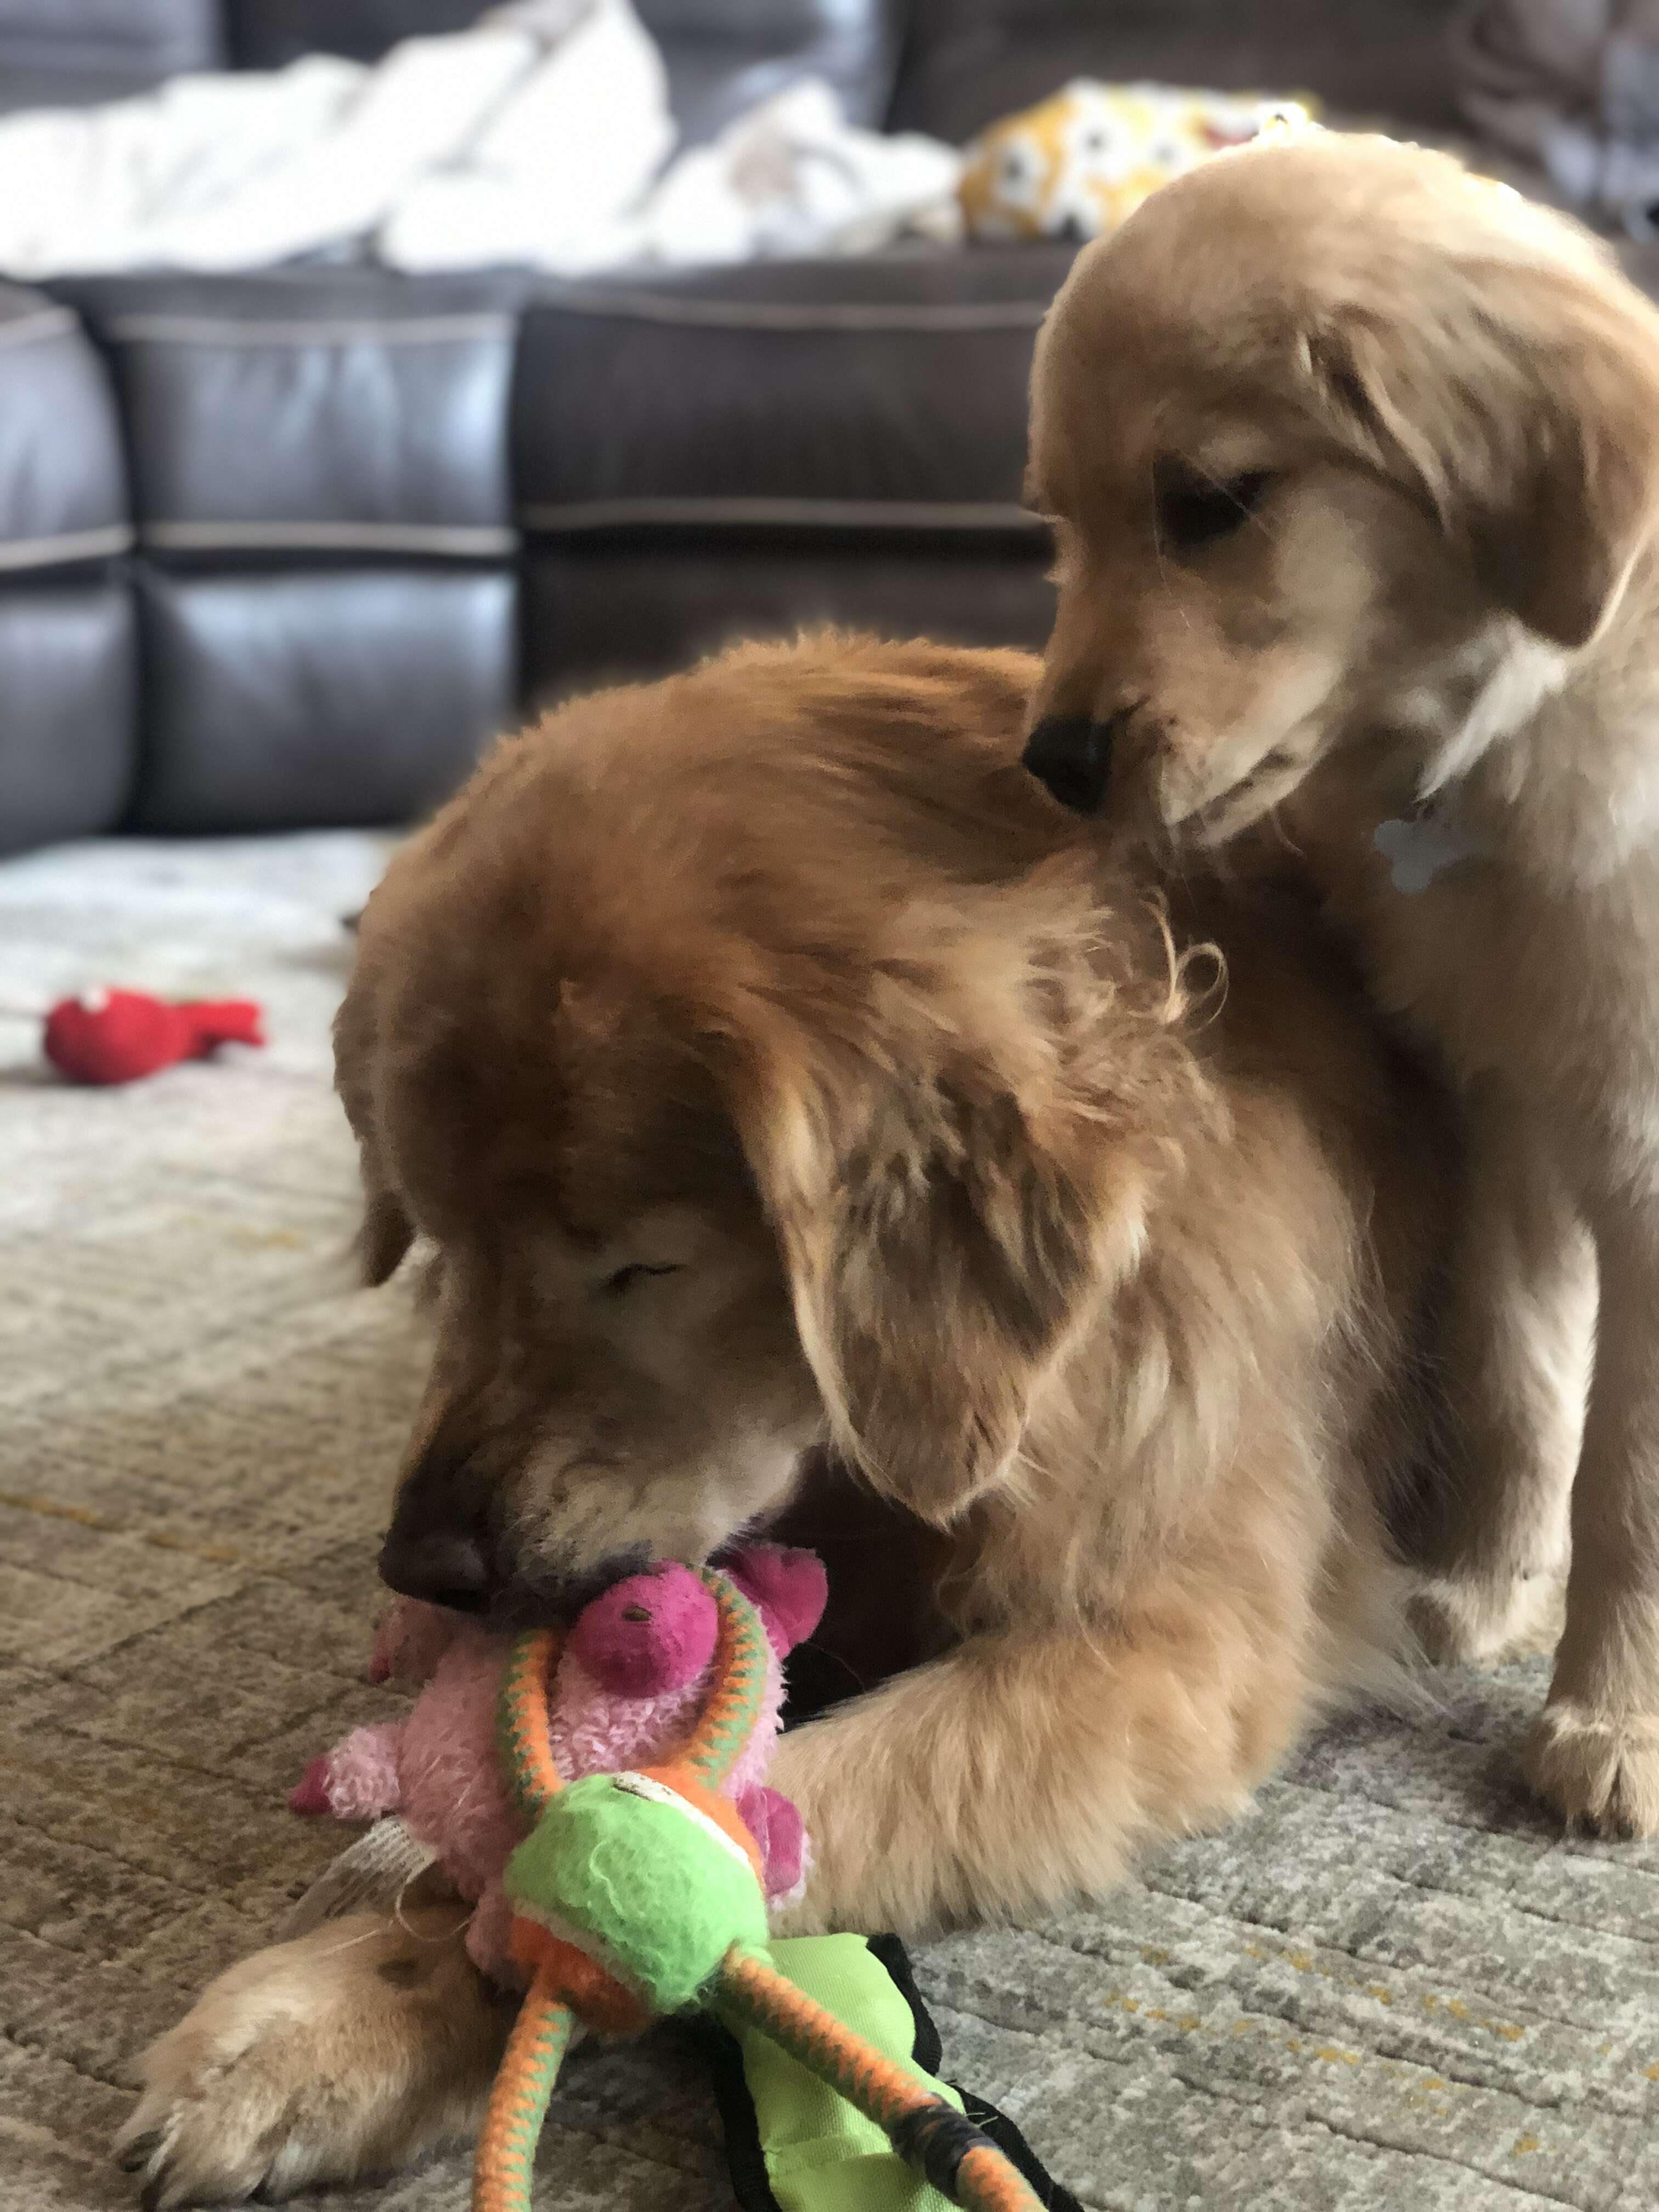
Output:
x,y
1390,1985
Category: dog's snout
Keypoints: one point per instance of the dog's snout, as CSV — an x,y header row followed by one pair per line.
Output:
x,y
445,1566
437,1547
1071,754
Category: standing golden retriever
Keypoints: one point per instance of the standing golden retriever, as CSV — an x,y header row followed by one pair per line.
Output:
x,y
766,1060
1354,460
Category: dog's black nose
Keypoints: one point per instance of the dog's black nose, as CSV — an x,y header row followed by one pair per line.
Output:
x,y
1072,756
444,1566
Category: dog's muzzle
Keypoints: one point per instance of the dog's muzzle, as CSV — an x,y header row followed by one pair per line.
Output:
x,y
1070,756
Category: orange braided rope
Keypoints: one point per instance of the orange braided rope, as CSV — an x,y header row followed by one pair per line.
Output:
x,y
506,2161
742,1654
522,1721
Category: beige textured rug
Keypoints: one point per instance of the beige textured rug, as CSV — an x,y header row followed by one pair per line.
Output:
x,y
1391,1986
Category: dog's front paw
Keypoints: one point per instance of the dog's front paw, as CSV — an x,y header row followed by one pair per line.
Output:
x,y
215,2124
344,2054
1470,1620
1599,1773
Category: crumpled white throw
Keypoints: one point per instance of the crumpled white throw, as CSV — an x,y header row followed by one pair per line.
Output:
x,y
538,137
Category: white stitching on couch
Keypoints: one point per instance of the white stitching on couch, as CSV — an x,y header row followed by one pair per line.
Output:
x,y
69,546
381,537
851,514
206,330
787,315
42,323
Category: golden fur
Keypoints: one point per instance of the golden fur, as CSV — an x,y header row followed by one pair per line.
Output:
x,y
1355,463
783,977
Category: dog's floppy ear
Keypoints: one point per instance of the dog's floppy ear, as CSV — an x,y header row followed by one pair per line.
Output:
x,y
386,1231
1522,401
938,1250
948,1205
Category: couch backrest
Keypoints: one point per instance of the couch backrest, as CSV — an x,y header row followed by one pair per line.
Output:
x,y
266,33
100,49
722,55
966,62
945,66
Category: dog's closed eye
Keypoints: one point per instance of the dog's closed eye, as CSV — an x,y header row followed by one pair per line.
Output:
x,y
618,1284
1195,511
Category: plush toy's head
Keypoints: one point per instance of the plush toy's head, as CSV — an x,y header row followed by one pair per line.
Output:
x,y
647,1634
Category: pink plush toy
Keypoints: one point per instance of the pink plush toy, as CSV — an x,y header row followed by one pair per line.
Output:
x,y
627,1687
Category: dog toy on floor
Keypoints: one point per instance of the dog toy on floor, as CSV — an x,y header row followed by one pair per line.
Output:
x,y
640,1895
623,1687
117,1036
596,1795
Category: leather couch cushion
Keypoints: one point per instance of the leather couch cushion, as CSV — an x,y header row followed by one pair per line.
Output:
x,y
721,54
346,412
63,482
883,393
95,49
268,33
69,680
968,62
277,700
598,612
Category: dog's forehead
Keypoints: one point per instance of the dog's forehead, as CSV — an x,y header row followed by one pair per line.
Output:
x,y
1112,409
640,1123
572,1103
1184,334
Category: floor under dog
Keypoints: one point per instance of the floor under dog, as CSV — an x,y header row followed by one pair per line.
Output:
x,y
1391,1985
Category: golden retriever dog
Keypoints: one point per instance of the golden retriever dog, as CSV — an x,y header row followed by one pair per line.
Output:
x,y
1354,463
769,1063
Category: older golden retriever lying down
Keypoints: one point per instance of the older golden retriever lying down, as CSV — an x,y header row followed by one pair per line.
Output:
x,y
1356,463
768,1059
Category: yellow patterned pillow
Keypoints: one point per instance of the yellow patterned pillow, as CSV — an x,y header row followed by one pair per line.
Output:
x,y
1079,163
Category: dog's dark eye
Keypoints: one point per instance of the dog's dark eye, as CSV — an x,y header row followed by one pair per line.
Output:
x,y
1192,511
635,1271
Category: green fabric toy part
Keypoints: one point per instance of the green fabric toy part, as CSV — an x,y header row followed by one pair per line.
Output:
x,y
791,2144
640,1895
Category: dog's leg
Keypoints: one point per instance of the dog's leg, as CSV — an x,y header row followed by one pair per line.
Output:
x,y
345,2053
1021,1771
1514,1348
1594,1750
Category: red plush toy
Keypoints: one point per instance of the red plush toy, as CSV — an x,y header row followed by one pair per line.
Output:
x,y
116,1036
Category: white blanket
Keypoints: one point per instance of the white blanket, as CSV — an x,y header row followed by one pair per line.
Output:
x,y
538,137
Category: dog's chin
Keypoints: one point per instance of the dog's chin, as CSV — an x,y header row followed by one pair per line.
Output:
x,y
1215,820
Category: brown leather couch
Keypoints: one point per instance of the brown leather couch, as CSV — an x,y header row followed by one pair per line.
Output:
x,y
283,549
